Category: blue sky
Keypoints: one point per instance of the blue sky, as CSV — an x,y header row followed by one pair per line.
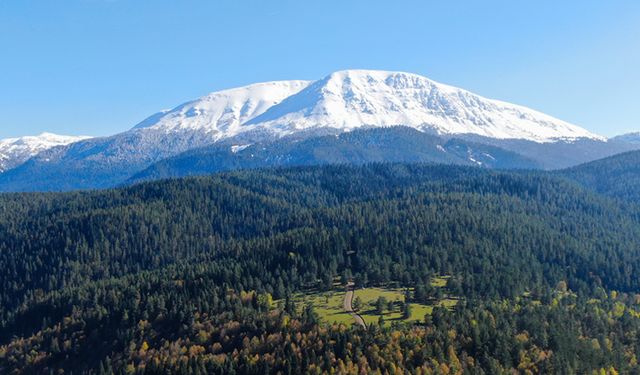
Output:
x,y
97,67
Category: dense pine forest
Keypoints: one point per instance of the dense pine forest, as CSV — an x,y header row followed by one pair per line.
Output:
x,y
616,176
196,275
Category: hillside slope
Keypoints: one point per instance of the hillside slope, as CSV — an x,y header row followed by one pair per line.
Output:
x,y
196,275
616,176
394,144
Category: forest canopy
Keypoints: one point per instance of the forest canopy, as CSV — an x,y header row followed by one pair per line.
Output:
x,y
196,275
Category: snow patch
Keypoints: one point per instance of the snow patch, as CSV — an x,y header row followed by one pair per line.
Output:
x,y
474,160
237,148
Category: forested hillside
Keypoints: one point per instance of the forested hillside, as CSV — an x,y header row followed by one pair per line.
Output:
x,y
398,144
616,176
197,275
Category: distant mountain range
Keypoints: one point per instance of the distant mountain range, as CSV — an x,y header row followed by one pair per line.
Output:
x,y
353,116
633,138
15,151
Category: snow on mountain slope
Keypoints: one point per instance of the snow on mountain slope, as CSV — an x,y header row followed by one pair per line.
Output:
x,y
222,114
15,151
351,99
360,98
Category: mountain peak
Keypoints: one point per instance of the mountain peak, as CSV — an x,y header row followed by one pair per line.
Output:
x,y
15,151
356,98
352,99
222,113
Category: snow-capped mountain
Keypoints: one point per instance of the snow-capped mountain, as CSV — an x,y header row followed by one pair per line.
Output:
x,y
223,114
267,120
352,99
15,151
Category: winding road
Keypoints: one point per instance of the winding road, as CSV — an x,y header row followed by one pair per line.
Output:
x,y
347,305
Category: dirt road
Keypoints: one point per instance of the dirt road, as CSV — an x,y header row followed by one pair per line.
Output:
x,y
348,300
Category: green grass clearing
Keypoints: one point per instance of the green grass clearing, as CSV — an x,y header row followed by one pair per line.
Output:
x,y
371,316
439,281
328,305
